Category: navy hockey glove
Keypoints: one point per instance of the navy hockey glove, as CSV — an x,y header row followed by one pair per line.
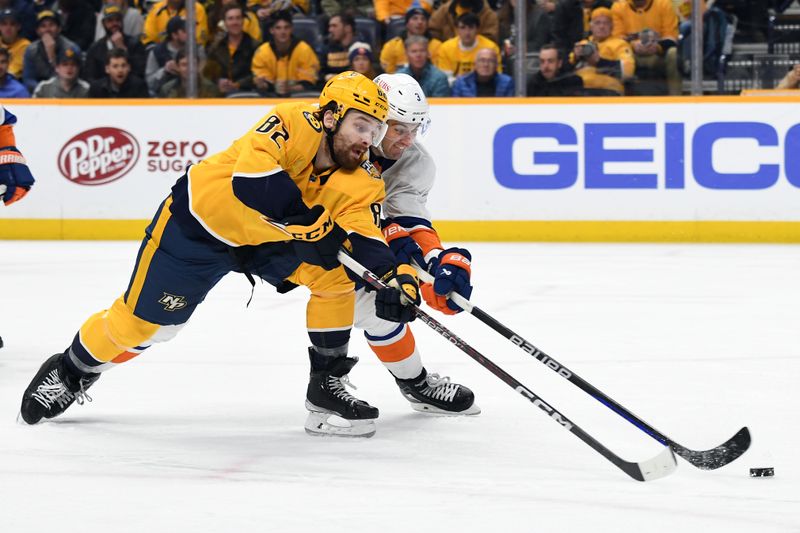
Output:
x,y
15,176
396,302
316,238
404,247
451,272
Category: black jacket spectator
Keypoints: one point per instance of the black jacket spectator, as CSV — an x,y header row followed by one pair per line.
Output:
x,y
220,64
133,87
94,68
77,21
37,66
565,84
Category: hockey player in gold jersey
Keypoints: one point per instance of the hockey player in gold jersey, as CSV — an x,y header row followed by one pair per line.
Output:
x,y
278,204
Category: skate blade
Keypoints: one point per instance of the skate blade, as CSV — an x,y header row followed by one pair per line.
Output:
x,y
433,410
332,425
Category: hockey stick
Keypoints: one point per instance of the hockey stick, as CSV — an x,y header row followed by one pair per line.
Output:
x,y
710,459
659,466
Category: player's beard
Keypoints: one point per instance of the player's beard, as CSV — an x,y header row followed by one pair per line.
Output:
x,y
345,153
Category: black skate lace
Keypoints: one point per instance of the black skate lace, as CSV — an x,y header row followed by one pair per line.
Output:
x,y
53,390
439,388
337,386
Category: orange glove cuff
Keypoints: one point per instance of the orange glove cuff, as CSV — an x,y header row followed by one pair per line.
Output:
x,y
435,301
456,259
18,194
394,231
7,136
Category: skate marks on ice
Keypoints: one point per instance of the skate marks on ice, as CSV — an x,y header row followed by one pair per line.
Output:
x,y
205,433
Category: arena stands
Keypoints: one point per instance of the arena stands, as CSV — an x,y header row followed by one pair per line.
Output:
x,y
747,44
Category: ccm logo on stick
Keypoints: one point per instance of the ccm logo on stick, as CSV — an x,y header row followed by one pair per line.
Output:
x,y
555,415
670,137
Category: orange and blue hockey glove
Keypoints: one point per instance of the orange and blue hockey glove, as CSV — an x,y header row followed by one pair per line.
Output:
x,y
404,247
15,176
451,271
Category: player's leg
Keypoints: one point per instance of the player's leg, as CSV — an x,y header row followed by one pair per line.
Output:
x,y
329,318
395,346
171,277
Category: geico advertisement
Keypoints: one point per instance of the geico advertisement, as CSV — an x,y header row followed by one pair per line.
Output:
x,y
621,161
532,161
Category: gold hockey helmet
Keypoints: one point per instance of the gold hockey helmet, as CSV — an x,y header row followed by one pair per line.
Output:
x,y
351,90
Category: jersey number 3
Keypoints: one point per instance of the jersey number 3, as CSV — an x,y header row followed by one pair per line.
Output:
x,y
271,124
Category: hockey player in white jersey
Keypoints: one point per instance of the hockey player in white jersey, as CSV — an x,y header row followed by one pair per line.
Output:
x,y
408,172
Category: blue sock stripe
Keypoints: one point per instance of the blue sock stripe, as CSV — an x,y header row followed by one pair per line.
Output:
x,y
394,332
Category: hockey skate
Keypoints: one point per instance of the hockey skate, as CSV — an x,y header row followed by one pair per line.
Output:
x,y
429,393
53,389
332,410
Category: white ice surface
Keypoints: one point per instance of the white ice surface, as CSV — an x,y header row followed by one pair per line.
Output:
x,y
205,433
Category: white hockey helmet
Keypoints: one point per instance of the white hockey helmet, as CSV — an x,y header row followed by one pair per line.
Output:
x,y
407,102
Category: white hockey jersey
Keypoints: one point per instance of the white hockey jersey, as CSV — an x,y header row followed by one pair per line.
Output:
x,y
408,182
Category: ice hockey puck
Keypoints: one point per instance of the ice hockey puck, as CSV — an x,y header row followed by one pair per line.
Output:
x,y
762,472
1,342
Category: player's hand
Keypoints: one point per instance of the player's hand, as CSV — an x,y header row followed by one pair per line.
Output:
x,y
405,248
15,175
316,238
451,272
396,302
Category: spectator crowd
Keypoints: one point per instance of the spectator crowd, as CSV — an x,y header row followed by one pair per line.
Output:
x,y
284,48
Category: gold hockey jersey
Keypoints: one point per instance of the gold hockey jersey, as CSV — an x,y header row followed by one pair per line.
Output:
x,y
284,142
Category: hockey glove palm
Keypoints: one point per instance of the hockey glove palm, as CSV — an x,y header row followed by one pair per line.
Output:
x,y
451,272
404,247
396,302
15,175
316,238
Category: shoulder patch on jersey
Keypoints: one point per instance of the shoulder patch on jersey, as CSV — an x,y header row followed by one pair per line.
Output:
x,y
313,121
371,170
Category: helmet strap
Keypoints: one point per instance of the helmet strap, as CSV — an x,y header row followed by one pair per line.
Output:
x,y
330,132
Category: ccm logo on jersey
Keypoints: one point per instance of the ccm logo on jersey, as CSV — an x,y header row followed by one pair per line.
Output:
x,y
646,155
98,156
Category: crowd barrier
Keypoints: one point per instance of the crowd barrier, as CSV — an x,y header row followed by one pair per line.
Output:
x,y
711,169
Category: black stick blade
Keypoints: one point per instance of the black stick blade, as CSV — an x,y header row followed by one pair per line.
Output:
x,y
716,457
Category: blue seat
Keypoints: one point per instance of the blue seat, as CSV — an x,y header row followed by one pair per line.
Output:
x,y
396,27
307,29
369,31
